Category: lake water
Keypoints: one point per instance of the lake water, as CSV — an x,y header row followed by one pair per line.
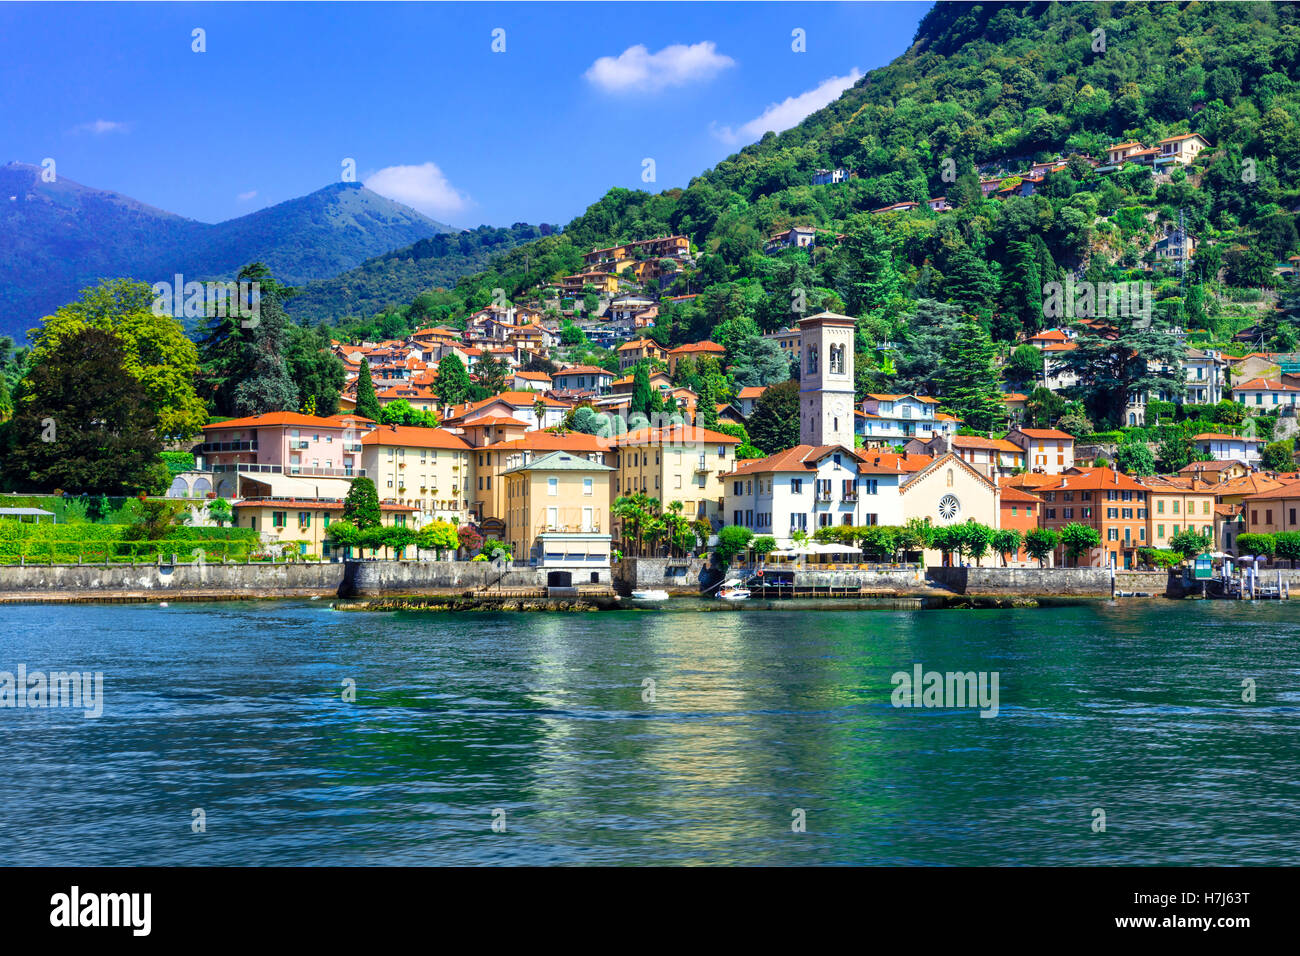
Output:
x,y
236,709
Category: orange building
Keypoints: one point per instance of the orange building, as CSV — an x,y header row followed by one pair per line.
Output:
x,y
1111,503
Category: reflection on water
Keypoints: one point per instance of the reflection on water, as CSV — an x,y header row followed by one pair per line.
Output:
x,y
237,709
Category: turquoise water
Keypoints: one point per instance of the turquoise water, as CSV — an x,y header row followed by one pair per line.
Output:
x,y
236,709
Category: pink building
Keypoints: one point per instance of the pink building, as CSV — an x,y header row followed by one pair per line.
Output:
x,y
284,453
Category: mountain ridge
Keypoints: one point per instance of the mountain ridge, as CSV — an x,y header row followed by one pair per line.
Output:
x,y
59,237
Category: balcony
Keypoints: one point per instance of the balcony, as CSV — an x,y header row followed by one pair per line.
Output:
x,y
250,468
299,444
850,496
352,446
823,496
703,464
211,446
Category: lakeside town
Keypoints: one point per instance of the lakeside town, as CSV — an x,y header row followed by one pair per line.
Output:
x,y
571,466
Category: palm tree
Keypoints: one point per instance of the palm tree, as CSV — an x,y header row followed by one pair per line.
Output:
x,y
539,411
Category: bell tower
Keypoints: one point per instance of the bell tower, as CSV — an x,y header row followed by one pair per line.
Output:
x,y
826,379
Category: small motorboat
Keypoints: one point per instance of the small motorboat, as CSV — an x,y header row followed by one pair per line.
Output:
x,y
732,591
649,594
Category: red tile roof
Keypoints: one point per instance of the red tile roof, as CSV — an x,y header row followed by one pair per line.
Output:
x,y
413,436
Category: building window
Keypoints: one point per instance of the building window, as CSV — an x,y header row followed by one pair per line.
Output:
x,y
588,487
552,486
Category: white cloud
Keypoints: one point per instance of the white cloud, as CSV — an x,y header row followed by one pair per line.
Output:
x,y
100,126
636,69
245,197
779,117
421,187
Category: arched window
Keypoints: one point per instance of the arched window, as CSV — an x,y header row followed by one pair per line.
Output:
x,y
201,487
949,477
179,488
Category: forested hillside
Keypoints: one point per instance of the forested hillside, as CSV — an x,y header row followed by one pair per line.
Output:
x,y
396,277
982,88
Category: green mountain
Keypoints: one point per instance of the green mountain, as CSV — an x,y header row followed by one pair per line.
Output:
x,y
396,277
984,87
57,238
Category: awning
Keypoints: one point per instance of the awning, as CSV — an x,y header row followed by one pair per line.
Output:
x,y
289,486
818,547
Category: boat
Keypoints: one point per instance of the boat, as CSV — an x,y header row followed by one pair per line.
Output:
x,y
732,591
649,594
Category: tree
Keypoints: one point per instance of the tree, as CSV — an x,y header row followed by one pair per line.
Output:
x,y
1124,355
1025,366
361,505
151,519
641,389
1079,539
763,545
968,379
1040,542
219,510
155,350
438,536
976,539
1133,457
1189,543
1279,456
318,372
367,401
1175,450
732,541
758,361
83,423
774,423
635,512
452,384
1286,545
706,406
1254,543
1006,542
399,538
243,369
492,373
1044,407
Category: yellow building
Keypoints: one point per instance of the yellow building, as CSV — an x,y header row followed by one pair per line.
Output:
x,y
429,469
557,513
683,463
492,460
301,522
1177,504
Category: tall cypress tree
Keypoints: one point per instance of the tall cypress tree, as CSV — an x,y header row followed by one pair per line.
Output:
x,y
367,401
452,386
641,390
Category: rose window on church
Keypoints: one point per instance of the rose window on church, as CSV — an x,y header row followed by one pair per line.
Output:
x,y
949,506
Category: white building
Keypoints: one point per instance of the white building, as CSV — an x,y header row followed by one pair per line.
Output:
x,y
1048,451
1224,447
1261,395
805,488
895,419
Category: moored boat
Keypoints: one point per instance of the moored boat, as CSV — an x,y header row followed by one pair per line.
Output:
x,y
649,594
732,591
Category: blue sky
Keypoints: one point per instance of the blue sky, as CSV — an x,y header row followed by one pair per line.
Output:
x,y
415,95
